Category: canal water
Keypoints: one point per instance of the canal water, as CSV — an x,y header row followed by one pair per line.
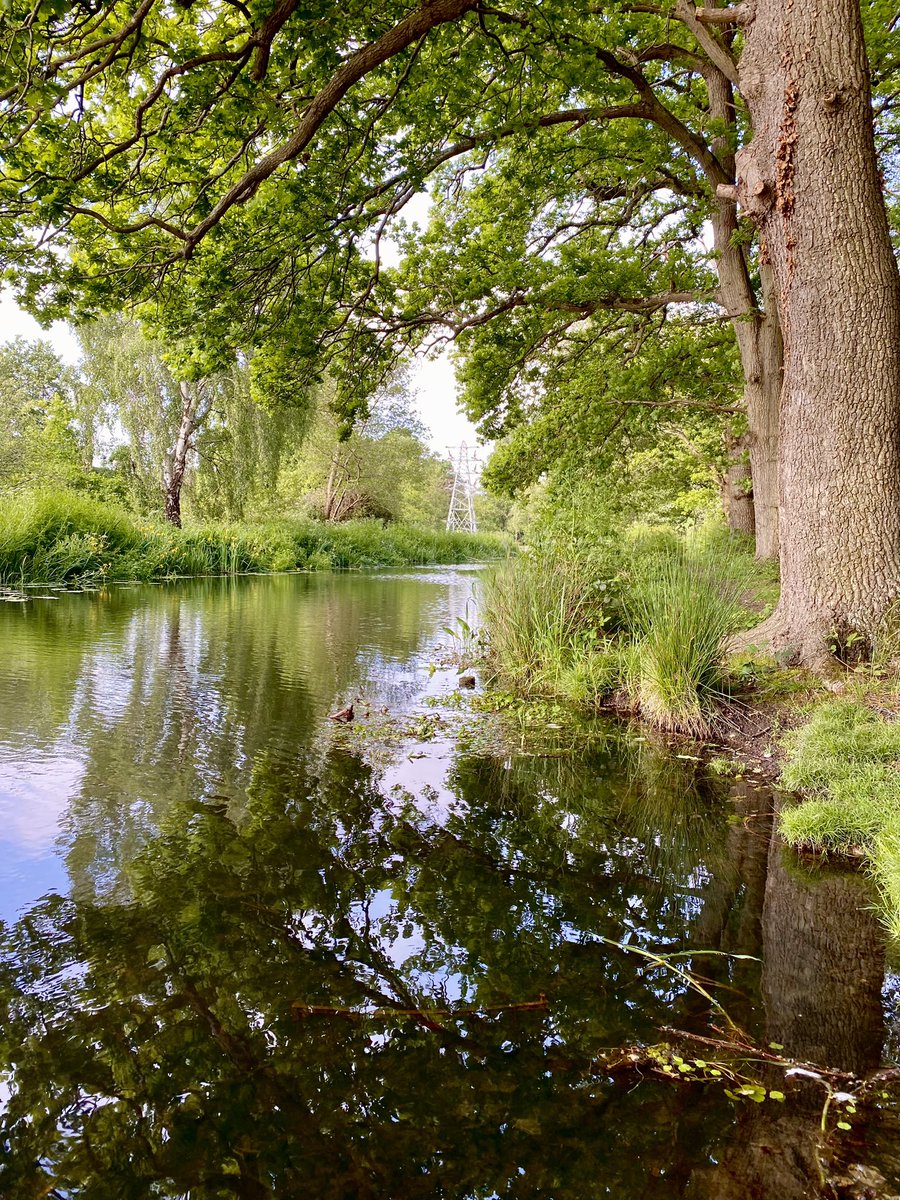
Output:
x,y
251,952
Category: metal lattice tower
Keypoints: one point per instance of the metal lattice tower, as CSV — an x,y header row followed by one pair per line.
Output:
x,y
461,514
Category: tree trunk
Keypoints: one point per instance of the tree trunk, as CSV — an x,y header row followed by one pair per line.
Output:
x,y
809,179
333,488
763,363
736,490
172,503
758,333
176,460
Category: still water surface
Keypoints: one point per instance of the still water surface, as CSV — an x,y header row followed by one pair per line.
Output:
x,y
249,953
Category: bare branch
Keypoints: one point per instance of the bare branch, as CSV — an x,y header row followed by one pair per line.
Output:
x,y
710,46
736,14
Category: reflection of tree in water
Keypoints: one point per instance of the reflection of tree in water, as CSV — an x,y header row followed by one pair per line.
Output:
x,y
823,967
178,1044
171,692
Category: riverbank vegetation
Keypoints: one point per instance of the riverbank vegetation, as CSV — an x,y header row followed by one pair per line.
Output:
x,y
113,468
627,601
647,606
650,631
845,762
119,426
62,537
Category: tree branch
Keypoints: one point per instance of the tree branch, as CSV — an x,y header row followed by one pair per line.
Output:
x,y
736,14
714,49
665,118
358,65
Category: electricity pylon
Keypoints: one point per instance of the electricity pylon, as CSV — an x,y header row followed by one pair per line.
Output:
x,y
461,514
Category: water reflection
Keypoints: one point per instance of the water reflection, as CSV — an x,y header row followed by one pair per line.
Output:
x,y
117,703
823,966
282,971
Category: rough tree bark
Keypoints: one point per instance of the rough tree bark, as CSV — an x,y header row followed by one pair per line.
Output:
x,y
735,488
809,179
758,333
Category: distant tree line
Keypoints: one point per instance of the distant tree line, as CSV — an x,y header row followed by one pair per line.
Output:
x,y
134,424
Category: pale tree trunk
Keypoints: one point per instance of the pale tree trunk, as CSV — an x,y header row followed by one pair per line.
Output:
x,y
176,460
328,505
336,488
340,498
758,334
809,179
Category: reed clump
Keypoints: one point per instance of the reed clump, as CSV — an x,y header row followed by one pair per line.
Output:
x,y
544,614
647,620
683,607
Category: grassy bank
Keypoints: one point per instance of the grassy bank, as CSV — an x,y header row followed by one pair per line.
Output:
x,y
57,537
846,763
645,621
645,624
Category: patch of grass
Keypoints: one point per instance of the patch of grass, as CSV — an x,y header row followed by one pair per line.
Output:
x,y
683,610
760,577
544,615
846,761
64,537
771,683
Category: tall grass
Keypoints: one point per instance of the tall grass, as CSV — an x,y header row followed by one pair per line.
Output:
x,y
544,617
61,537
846,761
683,608
654,623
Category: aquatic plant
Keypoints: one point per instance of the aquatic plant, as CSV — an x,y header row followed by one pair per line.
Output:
x,y
683,609
544,614
652,620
